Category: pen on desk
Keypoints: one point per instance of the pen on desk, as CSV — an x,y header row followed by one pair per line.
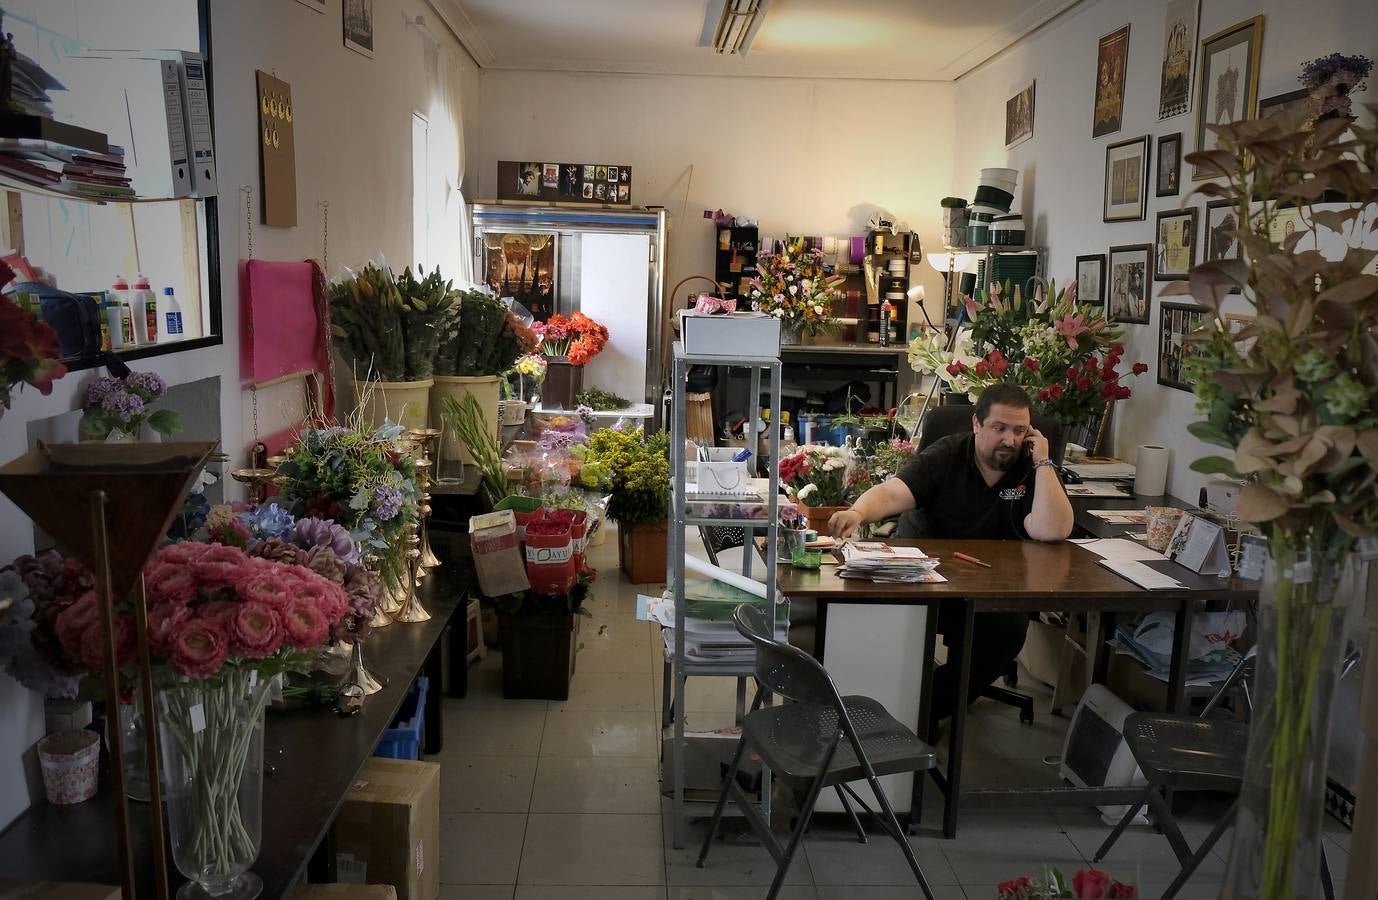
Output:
x,y
971,559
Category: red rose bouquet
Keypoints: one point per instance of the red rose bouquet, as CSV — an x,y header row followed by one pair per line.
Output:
x,y
576,337
29,351
1086,884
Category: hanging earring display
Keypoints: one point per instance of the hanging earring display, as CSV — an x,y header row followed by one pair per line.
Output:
x,y
278,153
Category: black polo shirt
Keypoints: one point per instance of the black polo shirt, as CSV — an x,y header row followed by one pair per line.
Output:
x,y
952,499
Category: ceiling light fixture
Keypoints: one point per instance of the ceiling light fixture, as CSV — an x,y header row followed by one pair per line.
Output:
x,y
730,25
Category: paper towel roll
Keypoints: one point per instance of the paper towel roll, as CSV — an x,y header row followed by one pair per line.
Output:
x,y
1150,470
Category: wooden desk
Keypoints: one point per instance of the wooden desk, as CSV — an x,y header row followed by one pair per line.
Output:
x,y
1024,577
1094,526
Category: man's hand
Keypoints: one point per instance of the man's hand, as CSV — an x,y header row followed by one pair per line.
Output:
x,y
1037,444
844,523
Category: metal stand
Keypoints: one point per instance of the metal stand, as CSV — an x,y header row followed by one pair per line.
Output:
x,y
358,675
412,610
425,467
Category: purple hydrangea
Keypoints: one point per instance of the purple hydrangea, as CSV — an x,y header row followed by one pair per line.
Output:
x,y
100,388
313,532
387,501
149,385
122,405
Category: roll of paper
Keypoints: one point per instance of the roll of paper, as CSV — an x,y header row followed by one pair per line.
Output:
x,y
858,250
1150,470
736,579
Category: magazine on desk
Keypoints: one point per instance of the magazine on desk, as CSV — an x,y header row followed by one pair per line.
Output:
x,y
875,561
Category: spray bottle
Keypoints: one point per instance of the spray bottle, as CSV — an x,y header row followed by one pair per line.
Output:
x,y
145,311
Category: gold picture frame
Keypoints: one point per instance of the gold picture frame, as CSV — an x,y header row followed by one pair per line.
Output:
x,y
1227,90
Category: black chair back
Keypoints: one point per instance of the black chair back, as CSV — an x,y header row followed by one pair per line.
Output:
x,y
782,668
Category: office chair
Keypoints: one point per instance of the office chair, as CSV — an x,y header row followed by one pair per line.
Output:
x,y
819,740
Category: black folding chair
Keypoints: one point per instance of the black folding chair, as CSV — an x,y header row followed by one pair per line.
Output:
x,y
818,740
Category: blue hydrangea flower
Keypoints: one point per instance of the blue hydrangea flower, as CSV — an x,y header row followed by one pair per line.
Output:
x,y
387,501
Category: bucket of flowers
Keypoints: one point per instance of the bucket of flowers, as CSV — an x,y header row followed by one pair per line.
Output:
x,y
567,343
816,477
794,286
117,409
1051,884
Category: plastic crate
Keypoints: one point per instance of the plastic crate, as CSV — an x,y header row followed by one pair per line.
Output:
x,y
403,739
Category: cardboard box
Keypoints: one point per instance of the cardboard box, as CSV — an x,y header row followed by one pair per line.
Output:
x,y
498,560
736,334
58,890
344,892
391,822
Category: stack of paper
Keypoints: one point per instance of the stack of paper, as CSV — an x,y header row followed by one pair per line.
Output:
x,y
1199,671
29,87
875,561
1101,470
710,636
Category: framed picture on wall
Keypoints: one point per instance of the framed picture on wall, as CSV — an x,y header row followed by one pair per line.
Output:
x,y
1175,322
1091,278
1176,244
317,5
1228,89
1179,43
1126,180
1169,177
1019,116
1129,284
522,266
1112,59
358,26
1292,100
1221,233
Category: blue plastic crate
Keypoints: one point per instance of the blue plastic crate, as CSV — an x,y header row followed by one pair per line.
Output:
x,y
403,739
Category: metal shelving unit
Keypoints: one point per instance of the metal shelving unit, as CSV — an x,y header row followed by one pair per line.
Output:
x,y
675,549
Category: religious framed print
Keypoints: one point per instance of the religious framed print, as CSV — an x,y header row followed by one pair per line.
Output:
x,y
1091,278
1128,284
1112,59
1176,247
1228,89
1019,117
1221,233
1179,42
1175,322
1169,171
1126,180
523,267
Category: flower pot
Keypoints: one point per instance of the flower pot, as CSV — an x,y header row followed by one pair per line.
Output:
x,y
563,382
817,516
403,403
1276,848
538,653
641,551
70,762
211,735
486,389
791,335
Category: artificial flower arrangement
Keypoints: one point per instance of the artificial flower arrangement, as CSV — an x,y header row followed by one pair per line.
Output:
x,y
38,589
392,327
29,352
1065,354
361,479
1332,80
489,340
882,462
795,287
120,406
576,338
1051,884
818,475
633,469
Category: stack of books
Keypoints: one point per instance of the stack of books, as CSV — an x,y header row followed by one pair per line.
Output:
x,y
62,167
874,561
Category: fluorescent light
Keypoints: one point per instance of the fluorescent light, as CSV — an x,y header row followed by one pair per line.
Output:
x,y
730,25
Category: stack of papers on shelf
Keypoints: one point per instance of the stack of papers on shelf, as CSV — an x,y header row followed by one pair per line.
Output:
x,y
710,636
1101,470
874,561
55,165
29,87
1210,661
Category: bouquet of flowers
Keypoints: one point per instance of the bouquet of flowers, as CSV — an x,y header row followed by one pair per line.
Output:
x,y
366,322
120,406
794,286
430,315
489,340
28,349
818,475
1065,354
633,469
1331,80
884,461
575,337
1086,884
39,589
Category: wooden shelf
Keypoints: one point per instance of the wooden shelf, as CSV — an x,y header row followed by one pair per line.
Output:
x,y
10,183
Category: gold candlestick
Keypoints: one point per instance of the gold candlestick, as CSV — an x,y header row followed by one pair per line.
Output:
x,y
257,479
412,610
427,438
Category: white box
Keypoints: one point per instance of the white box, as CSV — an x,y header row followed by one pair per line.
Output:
x,y
735,334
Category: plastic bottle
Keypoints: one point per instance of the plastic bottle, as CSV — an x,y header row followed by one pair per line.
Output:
x,y
787,441
170,314
112,326
144,311
127,325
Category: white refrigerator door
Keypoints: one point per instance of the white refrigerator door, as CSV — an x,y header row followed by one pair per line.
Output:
x,y
614,276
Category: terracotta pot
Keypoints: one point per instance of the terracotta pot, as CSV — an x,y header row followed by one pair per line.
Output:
x,y
563,382
401,402
641,551
484,388
818,516
538,653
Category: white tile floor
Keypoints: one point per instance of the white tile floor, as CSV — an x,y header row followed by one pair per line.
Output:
x,y
562,801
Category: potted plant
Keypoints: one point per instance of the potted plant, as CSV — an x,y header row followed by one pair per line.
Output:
x,y
794,286
567,343
1293,398
488,342
816,478
635,471
117,409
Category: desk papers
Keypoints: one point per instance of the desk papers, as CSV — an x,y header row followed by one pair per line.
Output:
x,y
1101,471
710,636
1118,549
1095,489
874,561
1142,575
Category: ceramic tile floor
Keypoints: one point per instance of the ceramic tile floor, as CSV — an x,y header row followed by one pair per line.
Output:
x,y
561,801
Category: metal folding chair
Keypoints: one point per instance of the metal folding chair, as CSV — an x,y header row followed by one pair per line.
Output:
x,y
818,740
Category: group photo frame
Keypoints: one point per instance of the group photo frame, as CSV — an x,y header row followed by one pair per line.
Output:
x,y
1175,246
1126,180
1175,322
1129,284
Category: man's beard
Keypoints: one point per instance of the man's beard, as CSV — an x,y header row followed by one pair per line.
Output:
x,y
1003,460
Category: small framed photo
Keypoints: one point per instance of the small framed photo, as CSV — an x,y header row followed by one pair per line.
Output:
x,y
1175,322
1019,117
1176,249
358,26
1128,286
1228,86
588,190
601,174
1126,180
612,173
1278,103
588,173
1091,278
550,175
1221,233
1169,165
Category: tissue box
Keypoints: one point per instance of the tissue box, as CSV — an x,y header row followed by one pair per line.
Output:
x,y
498,560
734,334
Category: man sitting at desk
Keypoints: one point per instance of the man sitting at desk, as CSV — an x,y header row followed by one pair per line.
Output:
x,y
995,483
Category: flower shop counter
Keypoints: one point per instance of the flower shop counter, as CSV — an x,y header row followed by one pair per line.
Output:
x,y
310,757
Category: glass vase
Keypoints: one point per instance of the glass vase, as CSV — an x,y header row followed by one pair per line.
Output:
x,y
131,724
791,335
1304,610
212,746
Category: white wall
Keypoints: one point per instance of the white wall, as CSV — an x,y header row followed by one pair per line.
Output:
x,y
810,156
352,118
1061,185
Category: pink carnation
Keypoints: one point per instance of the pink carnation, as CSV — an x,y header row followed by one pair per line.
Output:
x,y
305,626
198,649
220,566
220,612
256,630
329,598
